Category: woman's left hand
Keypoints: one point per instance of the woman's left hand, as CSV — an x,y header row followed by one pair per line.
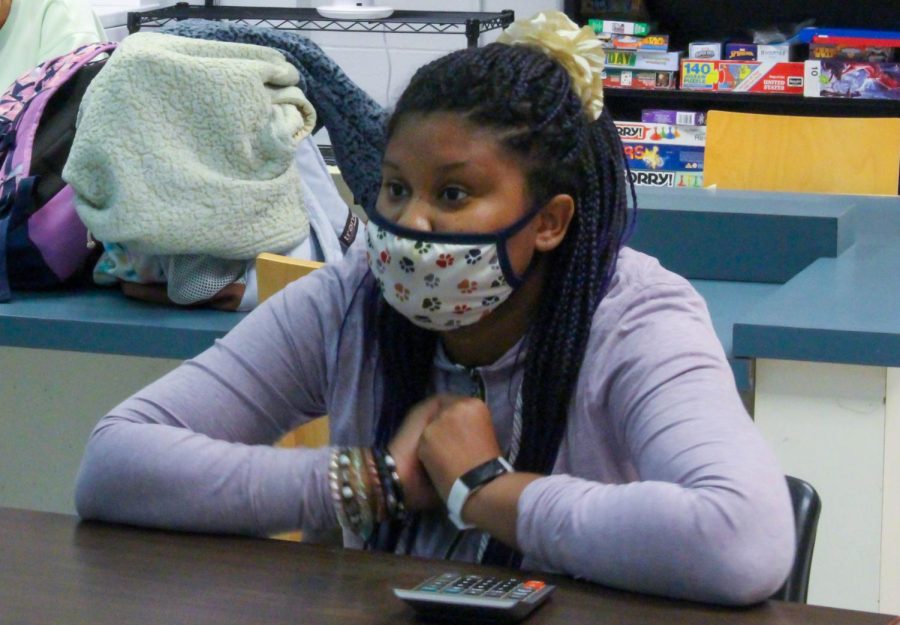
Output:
x,y
460,438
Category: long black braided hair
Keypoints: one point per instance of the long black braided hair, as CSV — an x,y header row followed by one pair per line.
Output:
x,y
527,98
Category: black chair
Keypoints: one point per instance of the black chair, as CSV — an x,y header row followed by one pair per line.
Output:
x,y
807,507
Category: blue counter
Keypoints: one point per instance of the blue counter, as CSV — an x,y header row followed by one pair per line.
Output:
x,y
844,310
105,321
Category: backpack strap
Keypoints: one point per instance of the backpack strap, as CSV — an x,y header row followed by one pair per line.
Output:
x,y
4,276
23,104
50,73
13,207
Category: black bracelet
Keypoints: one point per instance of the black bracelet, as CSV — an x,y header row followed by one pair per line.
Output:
x,y
390,483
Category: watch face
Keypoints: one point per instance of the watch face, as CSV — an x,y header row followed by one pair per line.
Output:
x,y
469,482
484,473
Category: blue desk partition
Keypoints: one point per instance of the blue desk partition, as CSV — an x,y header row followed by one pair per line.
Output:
x,y
746,237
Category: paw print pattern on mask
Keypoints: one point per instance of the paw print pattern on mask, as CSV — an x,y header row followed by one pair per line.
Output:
x,y
439,286
402,292
431,304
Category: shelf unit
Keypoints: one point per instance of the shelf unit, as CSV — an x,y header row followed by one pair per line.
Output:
x,y
472,24
689,20
626,104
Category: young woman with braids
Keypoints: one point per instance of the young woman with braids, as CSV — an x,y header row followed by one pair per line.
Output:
x,y
506,381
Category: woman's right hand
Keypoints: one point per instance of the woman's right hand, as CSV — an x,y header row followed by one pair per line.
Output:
x,y
418,490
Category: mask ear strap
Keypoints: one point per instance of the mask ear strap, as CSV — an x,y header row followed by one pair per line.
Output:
x,y
503,236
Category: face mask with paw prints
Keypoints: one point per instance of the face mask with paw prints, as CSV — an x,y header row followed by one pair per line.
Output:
x,y
441,281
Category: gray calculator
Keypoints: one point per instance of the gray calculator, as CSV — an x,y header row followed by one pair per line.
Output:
x,y
476,598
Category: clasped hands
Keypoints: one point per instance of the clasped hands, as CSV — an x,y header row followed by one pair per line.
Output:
x,y
441,438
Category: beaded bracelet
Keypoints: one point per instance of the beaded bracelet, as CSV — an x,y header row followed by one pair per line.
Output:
x,y
343,496
361,491
365,488
381,513
395,483
334,485
390,483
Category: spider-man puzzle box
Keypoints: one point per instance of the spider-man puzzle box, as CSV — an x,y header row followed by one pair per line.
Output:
x,y
742,76
837,78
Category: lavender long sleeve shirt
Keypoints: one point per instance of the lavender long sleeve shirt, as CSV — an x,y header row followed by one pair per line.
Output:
x,y
662,483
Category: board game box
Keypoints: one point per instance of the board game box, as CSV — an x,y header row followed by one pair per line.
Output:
x,y
659,157
619,27
638,79
656,43
668,179
671,117
642,59
668,134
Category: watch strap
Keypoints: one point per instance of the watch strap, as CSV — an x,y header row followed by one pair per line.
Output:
x,y
469,482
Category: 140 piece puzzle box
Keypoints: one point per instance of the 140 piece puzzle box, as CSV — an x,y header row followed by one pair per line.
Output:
x,y
742,76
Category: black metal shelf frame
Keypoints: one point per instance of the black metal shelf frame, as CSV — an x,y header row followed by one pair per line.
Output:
x,y
472,24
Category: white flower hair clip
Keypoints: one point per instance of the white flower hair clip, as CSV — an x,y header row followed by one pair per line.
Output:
x,y
576,49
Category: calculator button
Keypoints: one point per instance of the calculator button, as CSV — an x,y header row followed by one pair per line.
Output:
x,y
487,582
495,593
466,582
453,590
429,588
534,584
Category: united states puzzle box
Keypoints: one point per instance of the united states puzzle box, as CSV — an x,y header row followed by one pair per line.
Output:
x,y
742,76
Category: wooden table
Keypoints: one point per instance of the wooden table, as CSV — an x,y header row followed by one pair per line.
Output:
x,y
54,569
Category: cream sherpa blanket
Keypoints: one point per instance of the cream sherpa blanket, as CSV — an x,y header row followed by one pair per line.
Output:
x,y
186,146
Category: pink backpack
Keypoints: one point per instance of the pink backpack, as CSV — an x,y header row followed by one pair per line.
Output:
x,y
42,241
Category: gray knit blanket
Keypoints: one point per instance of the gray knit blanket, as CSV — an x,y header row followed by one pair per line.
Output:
x,y
355,122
